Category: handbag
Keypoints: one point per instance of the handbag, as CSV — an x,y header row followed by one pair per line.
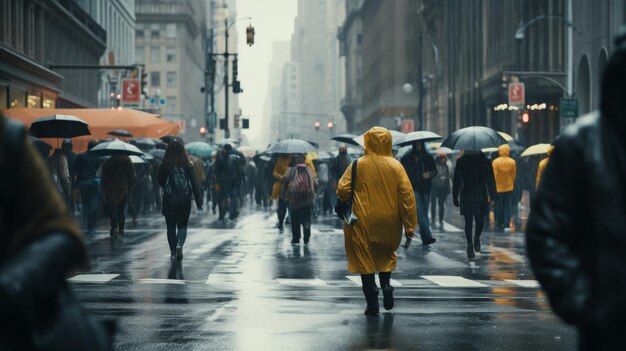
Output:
x,y
343,209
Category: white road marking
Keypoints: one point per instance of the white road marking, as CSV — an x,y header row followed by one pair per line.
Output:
x,y
300,282
93,278
162,281
357,280
450,228
524,283
453,281
220,278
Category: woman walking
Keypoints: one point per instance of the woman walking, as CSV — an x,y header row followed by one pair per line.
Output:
x,y
383,202
474,182
299,185
441,188
177,178
117,181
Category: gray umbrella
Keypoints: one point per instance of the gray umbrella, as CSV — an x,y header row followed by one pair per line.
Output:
x,y
116,147
422,135
291,146
396,137
473,139
59,126
346,138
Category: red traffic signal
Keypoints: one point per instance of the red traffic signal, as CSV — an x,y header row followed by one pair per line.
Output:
x,y
203,131
317,125
525,117
330,125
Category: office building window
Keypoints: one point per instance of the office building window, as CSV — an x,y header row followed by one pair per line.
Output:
x,y
170,30
155,79
140,53
155,54
170,79
170,104
155,30
139,32
170,54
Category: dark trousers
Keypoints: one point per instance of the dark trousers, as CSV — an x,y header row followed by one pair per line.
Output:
x,y
229,194
281,211
174,222
117,214
90,197
434,199
480,223
504,208
301,217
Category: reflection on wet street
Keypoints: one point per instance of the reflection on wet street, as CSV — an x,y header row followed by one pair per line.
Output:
x,y
242,285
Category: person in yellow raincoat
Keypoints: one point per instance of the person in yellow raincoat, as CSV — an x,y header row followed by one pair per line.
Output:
x,y
542,166
383,203
280,168
504,171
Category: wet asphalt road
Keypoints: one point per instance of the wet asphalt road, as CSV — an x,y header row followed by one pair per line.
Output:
x,y
244,286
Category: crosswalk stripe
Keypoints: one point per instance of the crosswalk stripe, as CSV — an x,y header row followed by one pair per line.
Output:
x,y
524,283
452,281
162,281
297,282
93,278
357,280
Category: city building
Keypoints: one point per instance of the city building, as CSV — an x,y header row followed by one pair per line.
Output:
x,y
36,35
168,40
350,36
272,108
117,17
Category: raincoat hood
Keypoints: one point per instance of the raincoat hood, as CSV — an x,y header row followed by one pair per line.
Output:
x,y
378,142
550,150
504,150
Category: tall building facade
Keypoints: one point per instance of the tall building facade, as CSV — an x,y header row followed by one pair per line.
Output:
x,y
37,34
117,17
273,106
350,36
168,40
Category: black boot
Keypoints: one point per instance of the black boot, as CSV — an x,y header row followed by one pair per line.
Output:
x,y
470,246
371,297
477,243
388,297
307,235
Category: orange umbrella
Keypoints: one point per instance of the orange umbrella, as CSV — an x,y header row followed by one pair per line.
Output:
x,y
101,121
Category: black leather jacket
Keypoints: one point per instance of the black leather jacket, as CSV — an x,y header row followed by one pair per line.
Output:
x,y
576,236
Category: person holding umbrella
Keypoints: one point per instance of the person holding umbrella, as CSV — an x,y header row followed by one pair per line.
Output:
x,y
441,188
421,169
86,176
117,181
299,184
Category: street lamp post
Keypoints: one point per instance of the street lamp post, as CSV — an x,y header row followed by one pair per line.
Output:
x,y
420,77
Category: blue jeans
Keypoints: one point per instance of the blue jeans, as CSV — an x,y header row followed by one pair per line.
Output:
x,y
504,208
422,201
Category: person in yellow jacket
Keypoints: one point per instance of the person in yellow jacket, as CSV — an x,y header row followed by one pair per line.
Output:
x,y
383,203
504,171
542,165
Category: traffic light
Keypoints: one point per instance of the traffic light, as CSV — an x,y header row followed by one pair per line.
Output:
x,y
203,131
317,125
330,125
144,83
250,35
235,69
525,117
237,121
237,87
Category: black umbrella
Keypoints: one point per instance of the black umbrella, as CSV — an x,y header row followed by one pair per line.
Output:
x,y
158,154
145,144
292,146
169,138
116,147
473,139
346,138
422,135
59,126
121,133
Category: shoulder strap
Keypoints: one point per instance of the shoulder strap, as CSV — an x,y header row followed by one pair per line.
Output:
x,y
353,179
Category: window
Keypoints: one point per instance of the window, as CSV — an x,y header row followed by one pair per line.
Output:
x,y
155,30
155,79
359,38
170,104
139,32
170,79
140,54
155,54
170,30
170,54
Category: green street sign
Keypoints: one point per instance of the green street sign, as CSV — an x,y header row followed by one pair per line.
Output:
x,y
569,107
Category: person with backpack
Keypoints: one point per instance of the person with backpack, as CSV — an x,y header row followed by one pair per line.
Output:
x,y
299,185
178,180
441,188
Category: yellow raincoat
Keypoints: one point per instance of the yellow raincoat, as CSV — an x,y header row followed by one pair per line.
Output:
x,y
504,170
383,202
280,168
542,165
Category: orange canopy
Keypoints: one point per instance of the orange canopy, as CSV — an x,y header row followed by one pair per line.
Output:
x,y
101,121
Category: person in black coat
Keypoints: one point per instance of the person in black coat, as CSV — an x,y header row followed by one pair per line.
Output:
x,y
576,236
475,184
177,216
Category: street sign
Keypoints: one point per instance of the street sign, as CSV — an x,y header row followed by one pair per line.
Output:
x,y
408,125
131,91
153,100
569,107
517,94
161,101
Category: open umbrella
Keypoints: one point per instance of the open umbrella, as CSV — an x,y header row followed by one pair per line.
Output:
x,y
396,137
158,154
291,146
422,135
199,149
136,159
537,149
42,147
116,147
120,133
231,141
59,126
473,139
169,138
247,151
506,136
346,138
324,155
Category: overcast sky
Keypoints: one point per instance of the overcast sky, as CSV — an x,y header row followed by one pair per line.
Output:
x,y
272,21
